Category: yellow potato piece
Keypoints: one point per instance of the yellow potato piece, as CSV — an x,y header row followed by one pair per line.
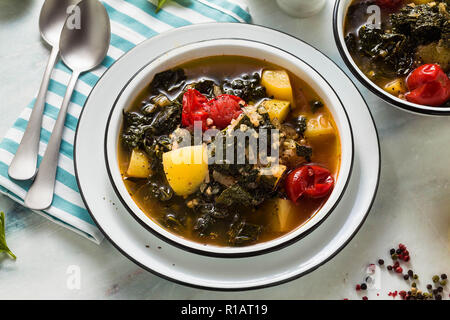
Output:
x,y
282,211
395,87
186,168
139,166
319,128
278,85
277,109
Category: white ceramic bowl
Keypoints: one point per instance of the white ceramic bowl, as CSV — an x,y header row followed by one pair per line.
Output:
x,y
340,11
237,47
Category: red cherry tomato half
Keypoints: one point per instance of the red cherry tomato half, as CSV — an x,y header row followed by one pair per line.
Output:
x,y
310,180
390,4
220,110
428,85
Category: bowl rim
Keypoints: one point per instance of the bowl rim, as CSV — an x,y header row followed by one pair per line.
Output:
x,y
339,7
235,254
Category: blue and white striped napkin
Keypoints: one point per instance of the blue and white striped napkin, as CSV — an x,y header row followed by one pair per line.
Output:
x,y
132,21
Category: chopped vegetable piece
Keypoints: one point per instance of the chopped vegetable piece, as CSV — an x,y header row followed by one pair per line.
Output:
x,y
217,112
281,210
278,85
186,168
319,128
310,180
396,87
277,109
139,166
428,85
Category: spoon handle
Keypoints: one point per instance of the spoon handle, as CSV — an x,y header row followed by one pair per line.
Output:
x,y
40,194
23,165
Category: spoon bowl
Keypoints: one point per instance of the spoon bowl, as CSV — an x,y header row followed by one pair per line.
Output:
x,y
52,17
83,46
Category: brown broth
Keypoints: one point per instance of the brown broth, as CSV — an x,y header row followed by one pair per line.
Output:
x,y
219,68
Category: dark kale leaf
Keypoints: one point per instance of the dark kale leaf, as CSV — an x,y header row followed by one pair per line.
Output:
x,y
422,23
174,220
243,232
300,125
304,151
247,87
205,87
167,81
234,195
392,49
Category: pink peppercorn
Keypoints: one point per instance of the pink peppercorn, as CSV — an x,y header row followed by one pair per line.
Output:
x,y
399,270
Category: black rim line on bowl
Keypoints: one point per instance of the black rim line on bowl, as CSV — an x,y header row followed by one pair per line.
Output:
x,y
191,285
210,253
368,84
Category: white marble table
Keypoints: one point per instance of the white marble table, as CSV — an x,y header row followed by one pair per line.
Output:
x,y
412,205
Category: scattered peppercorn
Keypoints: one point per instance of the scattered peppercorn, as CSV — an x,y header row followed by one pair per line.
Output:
x,y
392,251
443,282
414,285
440,289
435,278
389,268
429,286
410,273
406,277
399,270
438,297
398,251
380,262
415,277
363,286
443,276
394,256
358,287
365,298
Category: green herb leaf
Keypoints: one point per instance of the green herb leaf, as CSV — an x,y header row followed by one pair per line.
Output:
x,y
3,246
160,4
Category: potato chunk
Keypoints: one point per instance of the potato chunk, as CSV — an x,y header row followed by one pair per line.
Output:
x,y
186,168
396,87
277,109
319,128
139,166
282,211
278,85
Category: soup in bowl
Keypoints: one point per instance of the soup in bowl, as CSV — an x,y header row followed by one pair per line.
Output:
x,y
229,147
399,49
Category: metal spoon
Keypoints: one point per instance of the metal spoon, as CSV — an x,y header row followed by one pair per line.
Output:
x,y
82,49
51,20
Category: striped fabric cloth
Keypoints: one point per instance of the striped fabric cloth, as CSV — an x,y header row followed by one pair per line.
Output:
x,y
132,21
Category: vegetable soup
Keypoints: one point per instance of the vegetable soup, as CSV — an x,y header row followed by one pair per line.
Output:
x,y
229,203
